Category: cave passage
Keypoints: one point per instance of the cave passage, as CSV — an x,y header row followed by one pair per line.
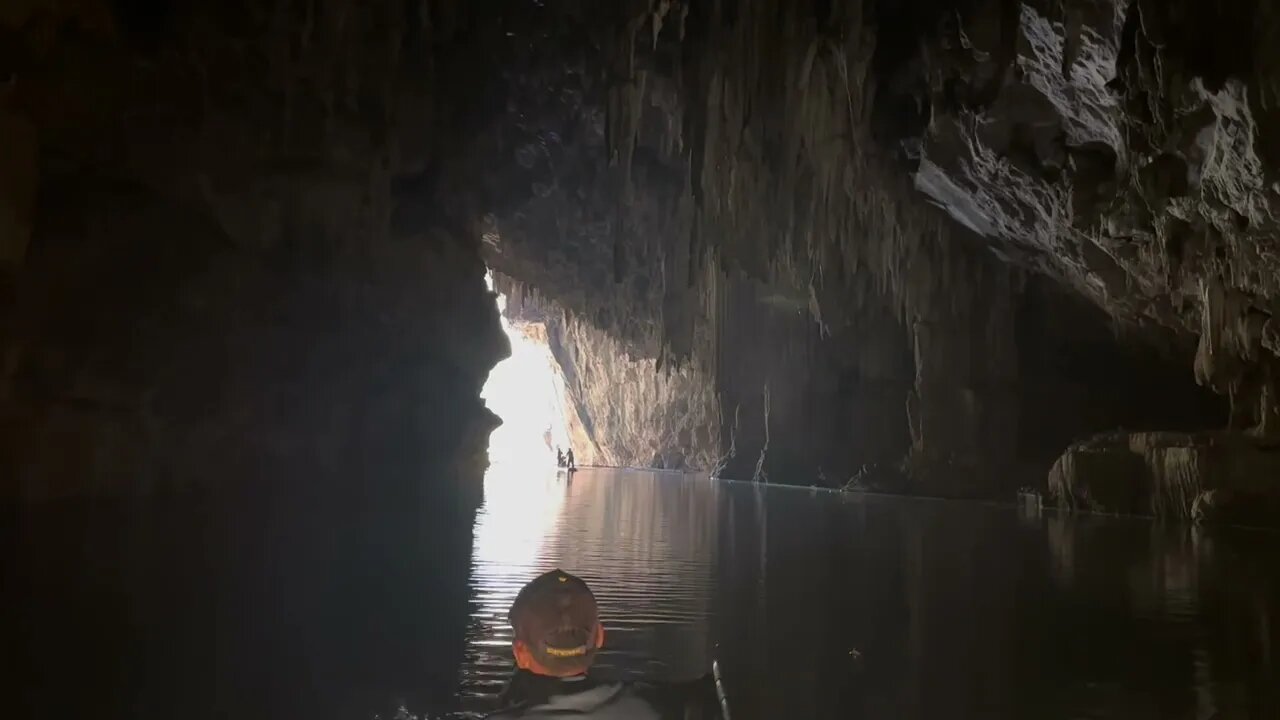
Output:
x,y
253,374
527,393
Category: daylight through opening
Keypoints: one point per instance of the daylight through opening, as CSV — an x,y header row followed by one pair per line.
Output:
x,y
527,392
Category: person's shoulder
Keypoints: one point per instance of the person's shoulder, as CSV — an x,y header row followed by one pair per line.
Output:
x,y
587,698
530,696
693,699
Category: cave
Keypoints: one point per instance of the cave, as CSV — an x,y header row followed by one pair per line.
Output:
x,y
947,248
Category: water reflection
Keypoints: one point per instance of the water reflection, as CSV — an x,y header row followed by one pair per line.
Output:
x,y
251,607
1188,621
239,605
645,542
521,510
827,606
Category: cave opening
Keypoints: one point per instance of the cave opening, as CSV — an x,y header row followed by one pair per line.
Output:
x,y
527,392
297,300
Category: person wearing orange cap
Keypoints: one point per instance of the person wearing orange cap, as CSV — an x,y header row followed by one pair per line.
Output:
x,y
557,634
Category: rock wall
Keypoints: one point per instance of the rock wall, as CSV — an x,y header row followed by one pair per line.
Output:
x,y
652,417
750,189
243,331
925,243
238,243
1125,149
1213,478
623,410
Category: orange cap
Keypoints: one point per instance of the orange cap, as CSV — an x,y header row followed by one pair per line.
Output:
x,y
557,625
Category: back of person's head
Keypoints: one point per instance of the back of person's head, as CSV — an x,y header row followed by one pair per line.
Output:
x,y
557,625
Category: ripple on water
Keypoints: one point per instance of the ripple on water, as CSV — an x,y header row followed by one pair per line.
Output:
x,y
955,610
647,552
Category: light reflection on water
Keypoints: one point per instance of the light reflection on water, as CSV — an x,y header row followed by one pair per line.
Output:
x,y
246,607
955,610
249,607
645,543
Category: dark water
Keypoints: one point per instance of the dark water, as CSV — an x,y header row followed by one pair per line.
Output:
x,y
827,606
817,605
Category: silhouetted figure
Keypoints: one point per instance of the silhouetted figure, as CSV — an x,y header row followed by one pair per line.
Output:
x,y
557,635
559,457
568,459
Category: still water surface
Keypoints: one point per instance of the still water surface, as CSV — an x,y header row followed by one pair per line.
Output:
x,y
822,605
818,605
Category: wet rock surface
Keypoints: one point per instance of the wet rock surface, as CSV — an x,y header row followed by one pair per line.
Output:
x,y
1211,478
880,228
237,245
1125,149
647,416
943,238
1234,507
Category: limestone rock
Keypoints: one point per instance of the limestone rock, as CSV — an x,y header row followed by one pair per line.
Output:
x,y
1236,507
1172,475
628,412
215,263
845,222
1100,477
814,237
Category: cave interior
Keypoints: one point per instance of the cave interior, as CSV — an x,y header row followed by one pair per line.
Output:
x,y
941,247
949,248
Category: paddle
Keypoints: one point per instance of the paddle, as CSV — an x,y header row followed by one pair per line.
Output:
x,y
720,694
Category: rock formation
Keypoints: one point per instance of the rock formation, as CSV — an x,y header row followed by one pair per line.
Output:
x,y
1211,478
236,245
930,242
877,228
650,418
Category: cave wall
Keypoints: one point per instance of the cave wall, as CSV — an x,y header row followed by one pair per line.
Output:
x,y
803,402
622,409
243,331
751,189
652,417
238,243
818,222
1125,149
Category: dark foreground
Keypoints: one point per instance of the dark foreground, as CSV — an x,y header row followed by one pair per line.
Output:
x,y
818,605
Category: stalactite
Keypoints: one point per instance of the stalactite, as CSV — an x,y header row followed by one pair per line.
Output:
x,y
892,172
761,475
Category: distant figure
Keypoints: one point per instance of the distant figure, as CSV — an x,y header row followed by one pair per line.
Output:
x,y
557,633
568,459
559,457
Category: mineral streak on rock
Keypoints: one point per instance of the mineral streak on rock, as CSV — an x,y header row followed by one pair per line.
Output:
x,y
1213,478
652,416
932,242
896,218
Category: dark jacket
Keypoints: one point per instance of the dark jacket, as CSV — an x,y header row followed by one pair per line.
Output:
x,y
534,696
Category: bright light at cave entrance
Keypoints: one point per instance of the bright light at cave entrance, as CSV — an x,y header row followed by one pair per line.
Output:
x,y
526,392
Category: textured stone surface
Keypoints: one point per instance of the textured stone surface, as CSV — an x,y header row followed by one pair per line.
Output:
x,y
939,238
1210,477
623,409
228,248
1234,507
654,418
1126,149
747,189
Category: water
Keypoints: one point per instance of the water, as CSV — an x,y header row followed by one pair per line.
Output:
x,y
817,605
821,605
